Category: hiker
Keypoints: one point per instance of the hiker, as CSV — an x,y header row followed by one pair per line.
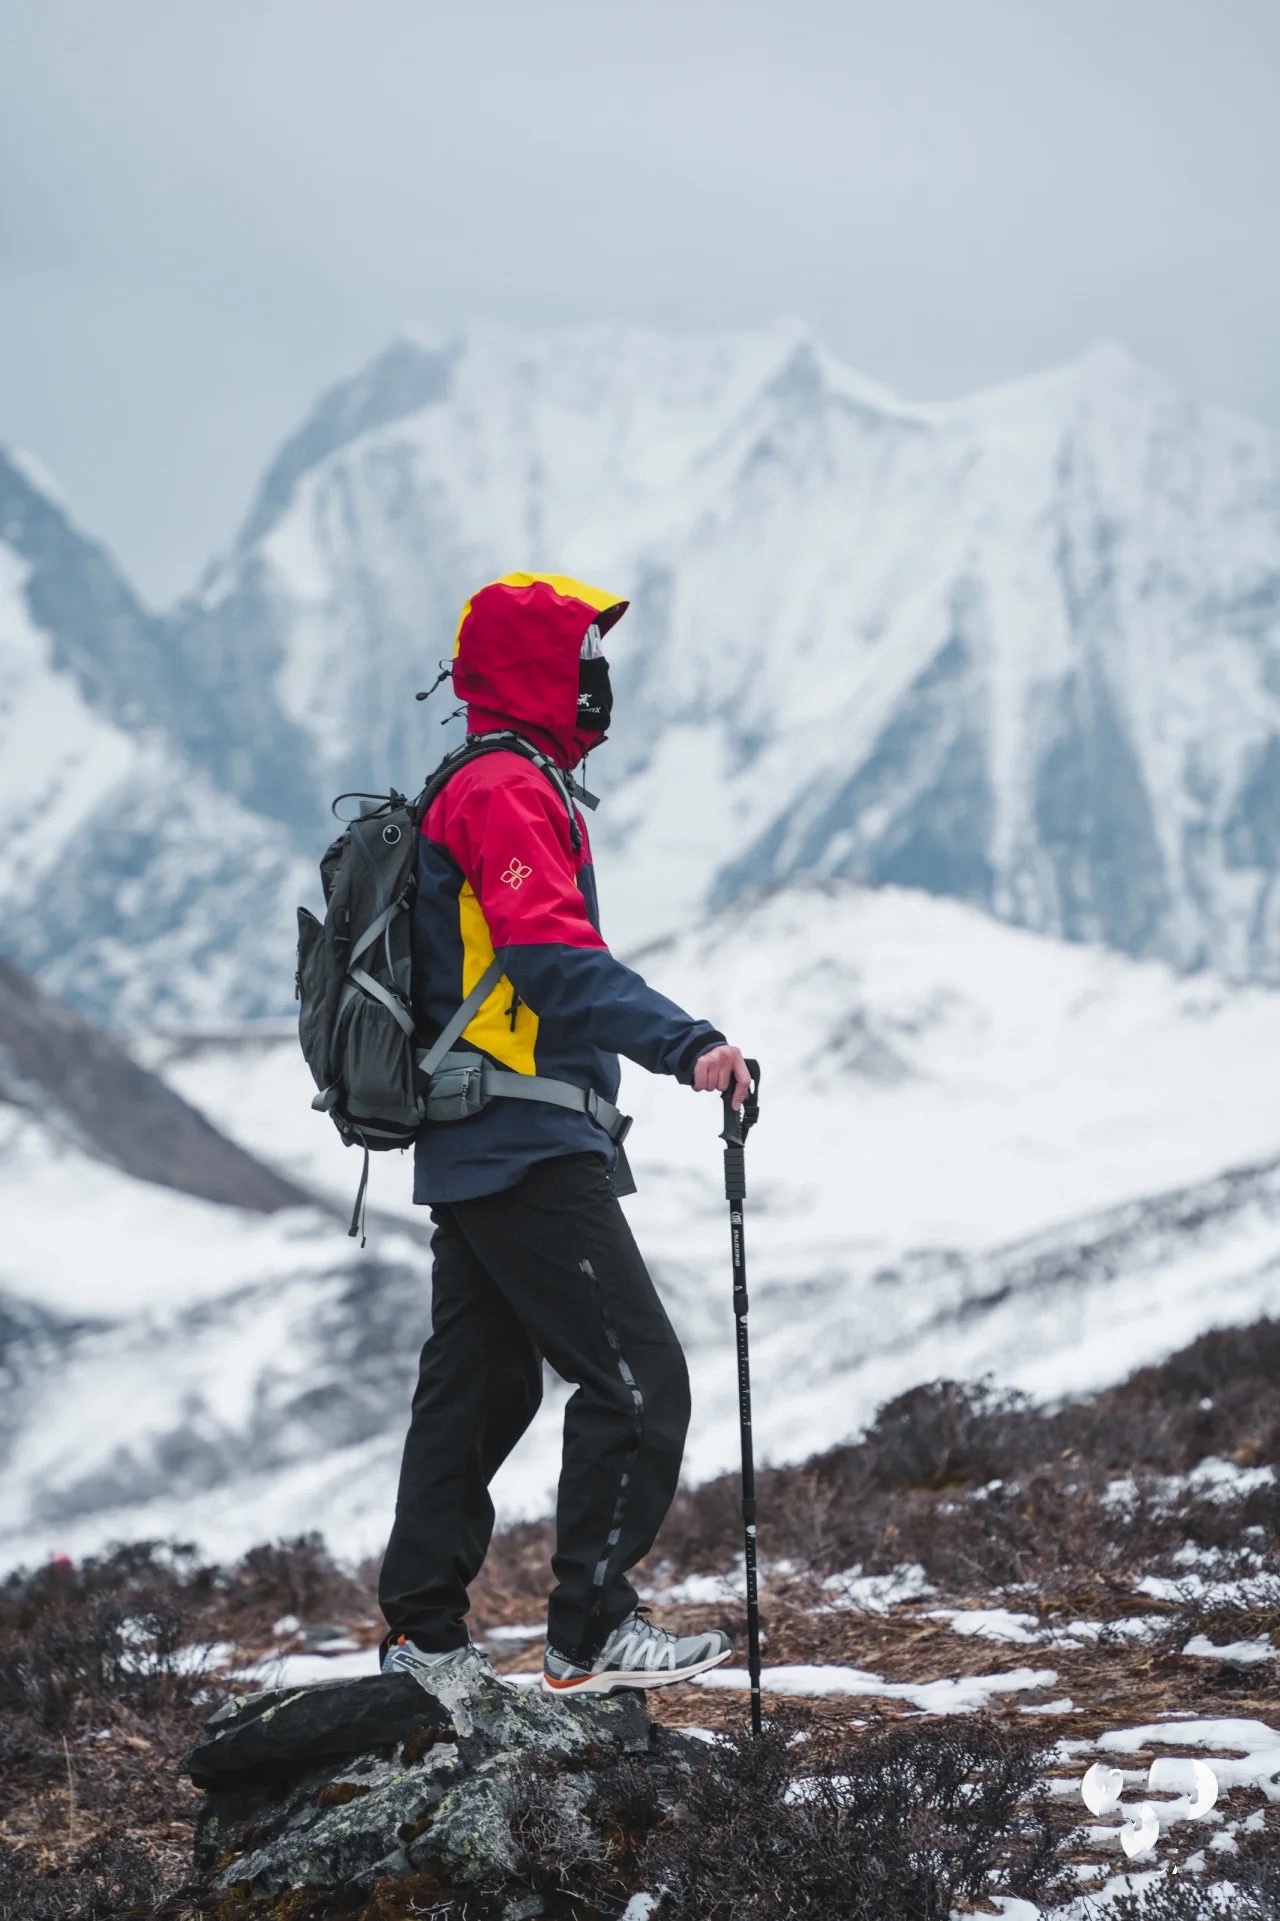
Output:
x,y
532,1253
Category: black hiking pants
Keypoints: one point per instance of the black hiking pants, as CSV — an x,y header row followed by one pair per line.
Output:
x,y
548,1267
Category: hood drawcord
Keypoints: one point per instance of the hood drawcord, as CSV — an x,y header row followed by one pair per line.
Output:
x,y
580,790
446,673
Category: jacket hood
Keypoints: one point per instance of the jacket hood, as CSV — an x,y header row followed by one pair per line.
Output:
x,y
515,658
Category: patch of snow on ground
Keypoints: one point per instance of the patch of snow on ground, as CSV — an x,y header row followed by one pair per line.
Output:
x,y
201,1657
1246,1753
992,1624
1212,1479
699,1590
1251,1590
1028,1630
877,1593
963,1696
712,1590
1242,1653
1133,1627
302,1670
1226,1480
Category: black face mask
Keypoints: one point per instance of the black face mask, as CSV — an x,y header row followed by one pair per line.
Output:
x,y
595,696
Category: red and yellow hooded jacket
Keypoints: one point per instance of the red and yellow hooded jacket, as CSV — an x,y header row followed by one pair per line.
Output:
x,y
497,874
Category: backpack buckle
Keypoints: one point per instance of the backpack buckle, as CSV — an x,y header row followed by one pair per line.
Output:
x,y
617,1126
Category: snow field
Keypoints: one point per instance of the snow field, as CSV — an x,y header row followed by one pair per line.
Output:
x,y
936,1085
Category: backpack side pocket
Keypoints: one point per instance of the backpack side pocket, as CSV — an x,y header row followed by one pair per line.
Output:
x,y
313,983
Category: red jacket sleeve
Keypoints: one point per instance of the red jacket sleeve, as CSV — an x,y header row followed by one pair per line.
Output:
x,y
510,836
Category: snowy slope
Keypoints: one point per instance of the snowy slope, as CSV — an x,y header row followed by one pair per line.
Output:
x,y
172,1313
129,881
1023,649
932,1077
1019,651
980,1151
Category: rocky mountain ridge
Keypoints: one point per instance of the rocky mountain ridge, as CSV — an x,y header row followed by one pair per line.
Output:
x,y
131,884
1023,649
95,1096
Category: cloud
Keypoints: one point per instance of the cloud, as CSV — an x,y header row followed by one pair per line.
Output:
x,y
208,211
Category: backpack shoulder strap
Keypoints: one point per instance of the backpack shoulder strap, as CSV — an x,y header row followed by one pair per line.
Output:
x,y
505,742
473,749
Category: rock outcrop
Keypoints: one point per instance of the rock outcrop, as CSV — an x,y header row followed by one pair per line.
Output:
x,y
342,1785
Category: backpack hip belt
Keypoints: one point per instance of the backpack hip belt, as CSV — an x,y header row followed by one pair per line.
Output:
x,y
462,1084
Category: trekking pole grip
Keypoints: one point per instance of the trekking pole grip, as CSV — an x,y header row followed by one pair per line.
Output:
x,y
738,1122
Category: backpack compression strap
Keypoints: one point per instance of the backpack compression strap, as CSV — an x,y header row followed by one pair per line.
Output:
x,y
428,1062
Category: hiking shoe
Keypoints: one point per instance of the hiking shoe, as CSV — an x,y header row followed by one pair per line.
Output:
x,y
400,1655
637,1655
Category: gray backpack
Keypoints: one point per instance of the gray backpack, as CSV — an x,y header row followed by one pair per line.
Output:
x,y
378,1078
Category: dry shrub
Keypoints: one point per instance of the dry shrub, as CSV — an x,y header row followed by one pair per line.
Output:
x,y
297,1577
1257,1879
98,1698
86,1642
945,1434
584,1845
899,1824
414,1897
111,1880
555,1849
1217,1396
137,1575
837,1825
986,1490
1252,1893
1181,1900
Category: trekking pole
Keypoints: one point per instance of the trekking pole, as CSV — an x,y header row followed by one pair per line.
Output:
x,y
737,1124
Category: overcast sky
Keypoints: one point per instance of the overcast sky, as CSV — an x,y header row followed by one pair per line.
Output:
x,y
209,209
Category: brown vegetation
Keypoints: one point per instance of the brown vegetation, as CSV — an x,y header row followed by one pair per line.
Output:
x,y
1055,1514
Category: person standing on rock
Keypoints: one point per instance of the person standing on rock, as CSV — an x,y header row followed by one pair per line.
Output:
x,y
532,1253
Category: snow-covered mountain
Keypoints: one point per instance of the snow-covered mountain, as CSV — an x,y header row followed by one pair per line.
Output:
x,y
1023,649
130,880
980,1150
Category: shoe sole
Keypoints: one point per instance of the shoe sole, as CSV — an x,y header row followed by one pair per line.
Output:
x,y
614,1679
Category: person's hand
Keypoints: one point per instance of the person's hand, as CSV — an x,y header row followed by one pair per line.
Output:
x,y
721,1068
